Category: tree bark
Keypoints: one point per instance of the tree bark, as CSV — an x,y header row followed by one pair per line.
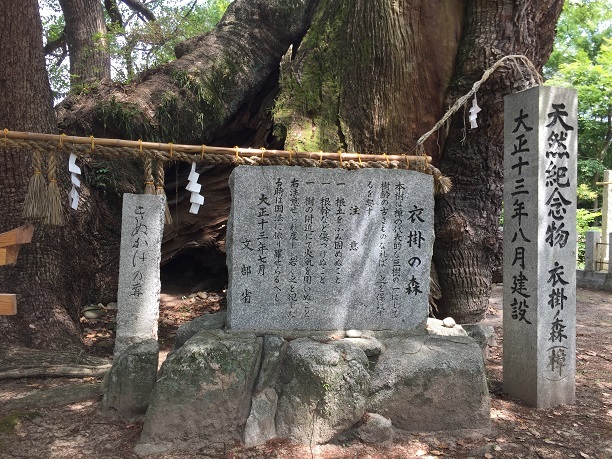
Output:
x,y
370,76
467,218
27,105
87,42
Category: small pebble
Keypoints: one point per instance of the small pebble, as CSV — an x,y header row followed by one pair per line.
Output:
x,y
449,322
354,334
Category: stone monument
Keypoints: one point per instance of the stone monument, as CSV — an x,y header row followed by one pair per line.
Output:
x,y
606,222
540,150
139,282
324,249
327,304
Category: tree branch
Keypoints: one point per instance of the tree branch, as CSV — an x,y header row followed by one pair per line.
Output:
x,y
139,8
113,11
59,42
221,71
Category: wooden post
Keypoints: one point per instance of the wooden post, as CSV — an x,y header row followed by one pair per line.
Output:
x,y
8,304
18,236
10,242
606,219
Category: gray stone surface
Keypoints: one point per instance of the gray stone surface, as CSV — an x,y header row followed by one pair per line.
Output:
x,y
274,350
437,327
540,152
142,226
592,239
484,335
298,240
594,280
376,429
606,216
431,383
325,391
260,425
203,393
214,321
131,380
370,346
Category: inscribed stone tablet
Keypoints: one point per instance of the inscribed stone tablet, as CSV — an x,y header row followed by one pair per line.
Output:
x,y
540,132
322,249
142,228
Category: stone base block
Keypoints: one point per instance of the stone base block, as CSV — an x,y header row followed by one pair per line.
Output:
x,y
131,380
431,383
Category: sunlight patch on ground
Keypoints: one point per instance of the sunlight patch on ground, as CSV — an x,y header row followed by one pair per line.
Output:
x,y
81,406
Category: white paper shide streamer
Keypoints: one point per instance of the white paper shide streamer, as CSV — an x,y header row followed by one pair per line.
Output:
x,y
196,198
474,110
73,194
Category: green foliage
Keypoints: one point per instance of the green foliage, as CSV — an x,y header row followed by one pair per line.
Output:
x,y
101,175
57,63
139,45
585,194
121,116
582,58
584,221
8,423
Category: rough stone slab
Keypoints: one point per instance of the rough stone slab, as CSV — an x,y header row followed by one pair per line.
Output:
x,y
274,350
376,429
370,345
592,239
142,227
540,179
325,391
260,426
324,249
484,335
131,380
214,321
594,280
203,393
430,384
437,327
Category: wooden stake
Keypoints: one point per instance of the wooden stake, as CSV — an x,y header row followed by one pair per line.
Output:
x,y
21,235
8,304
8,255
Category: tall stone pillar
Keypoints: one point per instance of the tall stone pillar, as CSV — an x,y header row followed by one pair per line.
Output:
x,y
142,228
540,150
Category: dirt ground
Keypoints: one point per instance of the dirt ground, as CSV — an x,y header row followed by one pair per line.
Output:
x,y
60,417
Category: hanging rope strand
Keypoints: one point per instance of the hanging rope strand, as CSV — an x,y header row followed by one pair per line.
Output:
x,y
160,191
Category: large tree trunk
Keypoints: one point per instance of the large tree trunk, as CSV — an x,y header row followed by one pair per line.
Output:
x,y
63,267
87,42
467,218
27,105
370,76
